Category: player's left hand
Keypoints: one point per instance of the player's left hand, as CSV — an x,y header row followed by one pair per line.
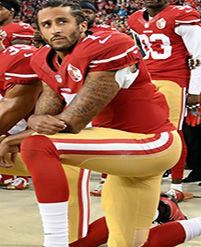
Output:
x,y
5,148
193,102
46,124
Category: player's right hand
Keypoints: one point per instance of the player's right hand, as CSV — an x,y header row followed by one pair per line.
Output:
x,y
46,124
12,150
193,63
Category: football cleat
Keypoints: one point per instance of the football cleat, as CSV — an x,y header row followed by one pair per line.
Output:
x,y
169,210
19,183
98,189
6,179
176,194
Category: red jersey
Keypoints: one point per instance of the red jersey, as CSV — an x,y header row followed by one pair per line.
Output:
x,y
15,68
166,54
102,27
14,31
138,107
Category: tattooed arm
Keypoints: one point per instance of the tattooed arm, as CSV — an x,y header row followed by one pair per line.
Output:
x,y
48,105
98,90
49,102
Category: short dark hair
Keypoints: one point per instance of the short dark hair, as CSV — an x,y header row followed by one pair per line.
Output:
x,y
11,5
76,10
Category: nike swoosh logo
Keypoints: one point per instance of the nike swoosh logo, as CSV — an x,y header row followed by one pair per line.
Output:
x,y
28,55
102,41
188,11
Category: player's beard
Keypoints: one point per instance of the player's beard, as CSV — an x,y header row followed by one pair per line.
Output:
x,y
70,42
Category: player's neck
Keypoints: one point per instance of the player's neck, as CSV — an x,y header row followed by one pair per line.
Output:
x,y
154,11
3,24
62,54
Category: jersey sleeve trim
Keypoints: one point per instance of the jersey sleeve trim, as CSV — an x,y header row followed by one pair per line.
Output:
x,y
93,63
21,75
22,36
187,22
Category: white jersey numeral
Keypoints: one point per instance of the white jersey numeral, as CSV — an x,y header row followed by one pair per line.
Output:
x,y
160,50
13,50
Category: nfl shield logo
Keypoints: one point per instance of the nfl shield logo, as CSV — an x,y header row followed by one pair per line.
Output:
x,y
161,23
146,25
74,73
58,78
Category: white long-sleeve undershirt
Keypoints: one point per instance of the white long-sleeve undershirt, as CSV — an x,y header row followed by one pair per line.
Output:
x,y
191,35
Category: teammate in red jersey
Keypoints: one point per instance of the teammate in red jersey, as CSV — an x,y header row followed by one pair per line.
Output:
x,y
19,89
13,33
103,79
169,34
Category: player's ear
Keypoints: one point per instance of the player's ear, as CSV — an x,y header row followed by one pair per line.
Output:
x,y
83,26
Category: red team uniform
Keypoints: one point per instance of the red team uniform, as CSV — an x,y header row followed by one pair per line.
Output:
x,y
10,33
14,70
14,31
165,44
102,27
69,79
10,71
128,113
165,50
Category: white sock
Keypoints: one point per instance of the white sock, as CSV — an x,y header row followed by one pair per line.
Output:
x,y
177,187
103,180
55,223
192,228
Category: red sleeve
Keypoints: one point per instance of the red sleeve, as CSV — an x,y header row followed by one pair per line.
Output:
x,y
187,16
23,31
19,31
17,75
119,52
20,71
14,31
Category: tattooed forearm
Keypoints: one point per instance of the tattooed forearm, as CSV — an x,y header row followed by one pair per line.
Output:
x,y
49,102
99,89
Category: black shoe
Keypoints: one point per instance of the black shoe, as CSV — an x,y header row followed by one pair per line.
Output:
x,y
166,174
192,178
